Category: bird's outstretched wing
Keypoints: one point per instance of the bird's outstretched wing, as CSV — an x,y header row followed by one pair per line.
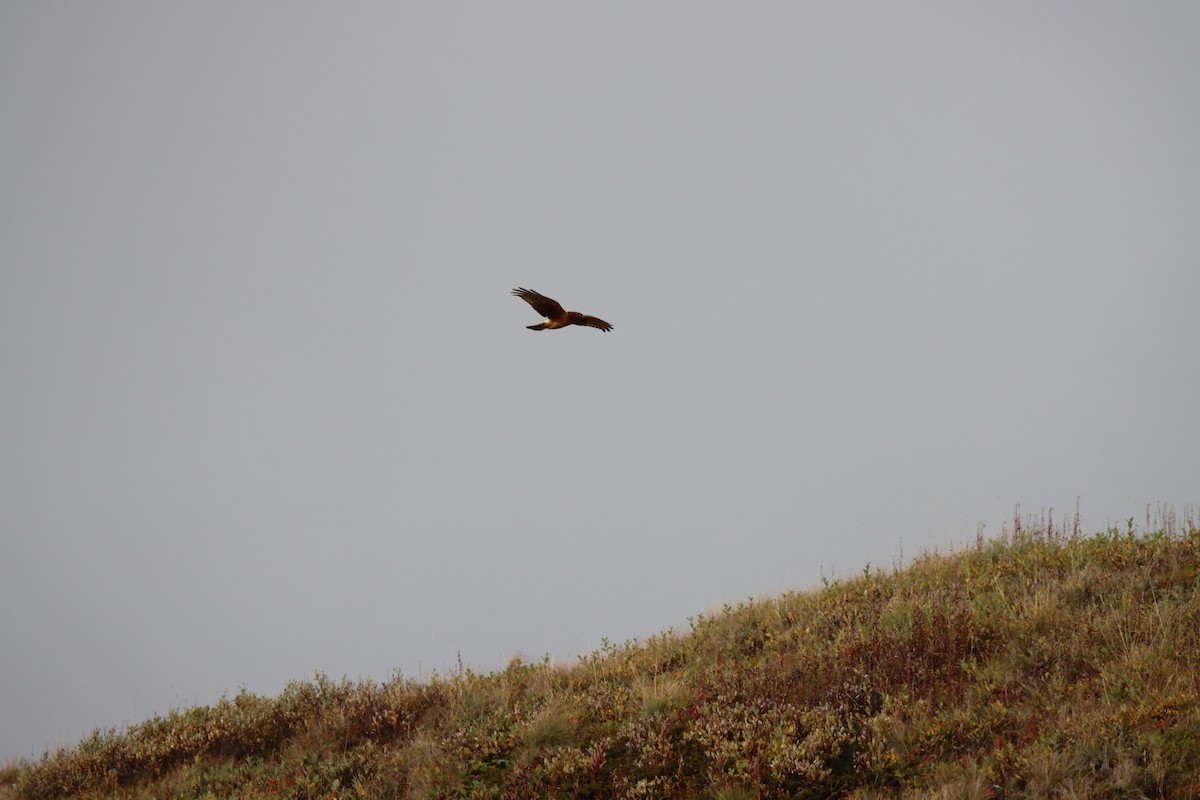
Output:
x,y
541,304
593,322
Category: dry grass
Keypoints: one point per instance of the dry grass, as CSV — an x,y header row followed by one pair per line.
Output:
x,y
1043,664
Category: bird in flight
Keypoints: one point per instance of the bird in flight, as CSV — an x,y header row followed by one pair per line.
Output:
x,y
555,316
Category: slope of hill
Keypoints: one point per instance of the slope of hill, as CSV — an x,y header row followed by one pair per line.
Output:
x,y
1045,664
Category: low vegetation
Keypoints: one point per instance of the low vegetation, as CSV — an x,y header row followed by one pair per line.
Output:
x,y
1043,664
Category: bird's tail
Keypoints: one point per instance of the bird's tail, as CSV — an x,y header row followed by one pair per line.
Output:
x,y
541,326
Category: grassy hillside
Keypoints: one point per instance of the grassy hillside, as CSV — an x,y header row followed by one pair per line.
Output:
x,y
1046,664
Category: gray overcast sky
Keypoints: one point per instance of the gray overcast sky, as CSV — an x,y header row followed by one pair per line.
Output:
x,y
878,272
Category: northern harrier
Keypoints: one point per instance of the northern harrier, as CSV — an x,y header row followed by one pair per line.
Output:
x,y
555,316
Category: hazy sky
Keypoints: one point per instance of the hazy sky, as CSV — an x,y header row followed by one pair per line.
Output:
x,y
878,272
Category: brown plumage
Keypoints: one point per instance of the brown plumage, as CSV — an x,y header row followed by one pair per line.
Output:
x,y
555,316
